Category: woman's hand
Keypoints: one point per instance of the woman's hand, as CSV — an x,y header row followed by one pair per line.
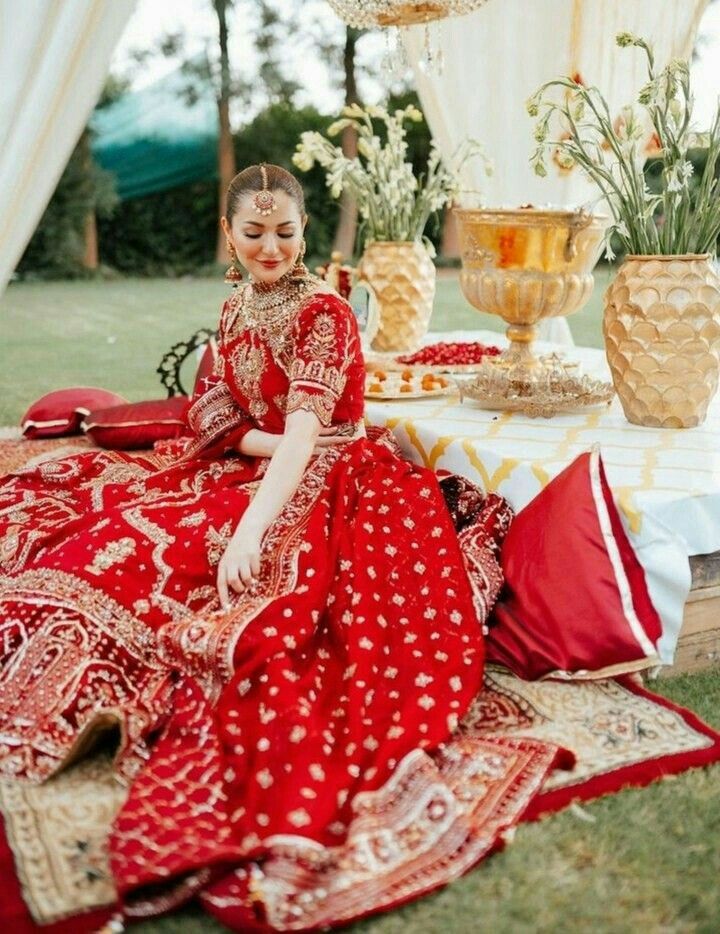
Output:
x,y
329,437
239,566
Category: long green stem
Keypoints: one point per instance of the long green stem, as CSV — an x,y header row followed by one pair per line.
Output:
x,y
690,218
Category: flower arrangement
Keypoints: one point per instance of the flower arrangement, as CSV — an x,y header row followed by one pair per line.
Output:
x,y
684,215
394,204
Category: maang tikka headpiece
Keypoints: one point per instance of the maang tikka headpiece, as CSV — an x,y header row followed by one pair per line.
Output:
x,y
264,201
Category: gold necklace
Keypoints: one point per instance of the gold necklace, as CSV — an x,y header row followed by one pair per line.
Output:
x,y
267,307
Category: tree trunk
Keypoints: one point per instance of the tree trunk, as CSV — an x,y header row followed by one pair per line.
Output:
x,y
226,149
347,225
90,255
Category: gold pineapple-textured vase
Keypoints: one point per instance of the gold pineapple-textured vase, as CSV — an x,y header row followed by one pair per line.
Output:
x,y
662,338
402,276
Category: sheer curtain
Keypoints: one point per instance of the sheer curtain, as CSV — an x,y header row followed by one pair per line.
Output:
x,y
54,56
498,56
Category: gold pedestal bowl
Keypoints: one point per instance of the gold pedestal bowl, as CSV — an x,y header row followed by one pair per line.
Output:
x,y
525,265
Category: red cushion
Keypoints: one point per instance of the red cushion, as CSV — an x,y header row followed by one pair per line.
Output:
x,y
137,424
60,413
205,369
576,602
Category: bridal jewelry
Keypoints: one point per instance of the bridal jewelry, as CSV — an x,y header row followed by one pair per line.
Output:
x,y
283,294
233,274
264,200
270,308
300,270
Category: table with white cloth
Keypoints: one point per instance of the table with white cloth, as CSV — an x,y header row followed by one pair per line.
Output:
x,y
666,482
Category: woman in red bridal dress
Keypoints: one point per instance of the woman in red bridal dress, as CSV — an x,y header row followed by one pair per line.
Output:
x,y
285,621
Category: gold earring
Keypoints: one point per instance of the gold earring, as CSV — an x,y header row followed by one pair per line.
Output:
x,y
233,274
300,270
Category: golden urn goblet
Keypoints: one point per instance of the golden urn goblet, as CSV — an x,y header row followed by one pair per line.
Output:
x,y
525,265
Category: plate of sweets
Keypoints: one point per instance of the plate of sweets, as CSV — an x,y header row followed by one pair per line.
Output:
x,y
407,384
441,357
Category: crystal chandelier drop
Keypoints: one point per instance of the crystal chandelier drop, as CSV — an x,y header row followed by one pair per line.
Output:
x,y
395,14
366,14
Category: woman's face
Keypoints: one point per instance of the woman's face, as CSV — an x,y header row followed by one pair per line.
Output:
x,y
267,246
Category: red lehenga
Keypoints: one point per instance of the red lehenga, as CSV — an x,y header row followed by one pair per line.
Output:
x,y
295,760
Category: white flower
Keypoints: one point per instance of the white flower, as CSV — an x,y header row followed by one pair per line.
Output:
x,y
686,170
677,177
393,203
303,160
338,126
353,110
378,113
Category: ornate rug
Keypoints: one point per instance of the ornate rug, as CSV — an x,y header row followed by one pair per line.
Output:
x,y
621,735
16,452
53,852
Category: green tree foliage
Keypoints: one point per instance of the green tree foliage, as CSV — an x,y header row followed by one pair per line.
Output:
x,y
173,232
169,233
57,247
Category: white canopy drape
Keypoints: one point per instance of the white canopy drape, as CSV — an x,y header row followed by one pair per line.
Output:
x,y
498,56
54,57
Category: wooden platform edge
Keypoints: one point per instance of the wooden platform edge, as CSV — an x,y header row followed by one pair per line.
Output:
x,y
698,647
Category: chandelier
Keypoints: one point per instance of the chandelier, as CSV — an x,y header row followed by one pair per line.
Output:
x,y
365,14
396,14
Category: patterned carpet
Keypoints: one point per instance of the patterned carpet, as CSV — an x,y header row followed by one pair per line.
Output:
x,y
53,857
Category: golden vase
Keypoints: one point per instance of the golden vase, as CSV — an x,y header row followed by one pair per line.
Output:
x,y
402,276
662,338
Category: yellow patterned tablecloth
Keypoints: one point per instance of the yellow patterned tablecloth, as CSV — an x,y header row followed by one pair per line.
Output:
x,y
666,482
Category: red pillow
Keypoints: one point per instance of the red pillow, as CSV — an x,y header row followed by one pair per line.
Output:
x,y
137,424
60,413
205,369
576,602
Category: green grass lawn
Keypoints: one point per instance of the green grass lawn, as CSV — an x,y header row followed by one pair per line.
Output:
x,y
646,860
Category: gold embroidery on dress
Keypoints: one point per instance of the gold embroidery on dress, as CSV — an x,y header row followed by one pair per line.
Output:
x,y
204,646
214,414
162,540
321,404
112,553
193,519
248,363
217,541
322,368
87,628
321,339
270,311
219,366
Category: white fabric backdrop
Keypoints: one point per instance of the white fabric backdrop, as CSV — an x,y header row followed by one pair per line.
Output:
x,y
498,56
54,57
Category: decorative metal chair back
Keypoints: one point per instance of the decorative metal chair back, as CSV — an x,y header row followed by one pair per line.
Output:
x,y
172,362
